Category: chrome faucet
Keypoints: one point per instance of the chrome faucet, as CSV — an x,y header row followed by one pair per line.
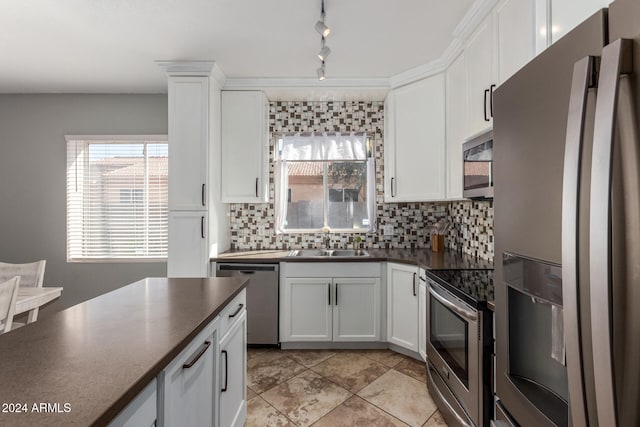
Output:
x,y
327,241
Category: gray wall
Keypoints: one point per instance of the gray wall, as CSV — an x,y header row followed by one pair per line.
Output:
x,y
33,183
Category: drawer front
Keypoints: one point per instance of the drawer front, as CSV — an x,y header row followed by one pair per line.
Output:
x,y
231,313
187,383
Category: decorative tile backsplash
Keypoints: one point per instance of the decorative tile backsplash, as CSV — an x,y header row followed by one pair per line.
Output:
x,y
253,225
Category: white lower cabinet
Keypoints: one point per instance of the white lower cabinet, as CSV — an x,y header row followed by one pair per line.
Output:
x,y
307,309
318,307
402,305
356,309
187,383
422,314
332,309
233,366
141,412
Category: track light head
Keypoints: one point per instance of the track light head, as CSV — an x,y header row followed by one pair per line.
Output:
x,y
320,72
322,55
322,29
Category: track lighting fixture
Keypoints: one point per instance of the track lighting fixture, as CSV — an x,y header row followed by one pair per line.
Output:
x,y
324,31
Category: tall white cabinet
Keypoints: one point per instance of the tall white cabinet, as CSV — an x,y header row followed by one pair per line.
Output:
x,y
245,143
190,88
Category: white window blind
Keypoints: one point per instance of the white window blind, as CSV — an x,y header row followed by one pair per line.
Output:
x,y
117,198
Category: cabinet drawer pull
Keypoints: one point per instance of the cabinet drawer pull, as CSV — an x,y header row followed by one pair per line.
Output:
x,y
226,371
392,188
202,226
257,179
329,293
237,311
337,284
203,194
203,349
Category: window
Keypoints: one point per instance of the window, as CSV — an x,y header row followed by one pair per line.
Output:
x,y
325,181
117,198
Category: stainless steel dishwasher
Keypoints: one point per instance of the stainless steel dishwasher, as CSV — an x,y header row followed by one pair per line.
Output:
x,y
262,299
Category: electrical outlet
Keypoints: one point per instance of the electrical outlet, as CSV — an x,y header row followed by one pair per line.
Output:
x,y
387,230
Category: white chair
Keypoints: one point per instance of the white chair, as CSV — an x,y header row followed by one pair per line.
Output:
x,y
31,274
8,296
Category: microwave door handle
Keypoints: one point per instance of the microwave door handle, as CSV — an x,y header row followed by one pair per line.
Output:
x,y
465,314
582,73
616,60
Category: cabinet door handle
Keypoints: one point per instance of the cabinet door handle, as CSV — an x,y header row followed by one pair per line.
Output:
x,y
491,88
257,180
226,371
414,284
197,357
329,293
202,226
486,92
337,284
392,188
203,194
237,311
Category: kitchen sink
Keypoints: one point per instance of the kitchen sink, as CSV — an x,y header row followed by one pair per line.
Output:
x,y
329,253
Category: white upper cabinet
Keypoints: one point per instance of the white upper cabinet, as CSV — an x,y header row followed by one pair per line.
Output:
x,y
481,79
567,14
188,142
515,35
245,143
456,88
414,151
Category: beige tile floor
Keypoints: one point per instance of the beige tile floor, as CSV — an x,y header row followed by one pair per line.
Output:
x,y
288,388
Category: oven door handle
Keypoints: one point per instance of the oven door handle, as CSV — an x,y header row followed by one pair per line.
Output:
x,y
467,314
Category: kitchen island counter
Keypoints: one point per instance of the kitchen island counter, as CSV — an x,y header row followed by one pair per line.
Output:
x,y
86,363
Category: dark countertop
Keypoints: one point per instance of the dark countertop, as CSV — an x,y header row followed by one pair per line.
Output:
x,y
98,355
423,258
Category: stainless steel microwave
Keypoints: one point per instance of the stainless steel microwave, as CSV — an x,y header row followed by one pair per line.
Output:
x,y
477,162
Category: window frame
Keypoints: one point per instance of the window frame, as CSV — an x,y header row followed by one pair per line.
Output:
x,y
106,139
325,184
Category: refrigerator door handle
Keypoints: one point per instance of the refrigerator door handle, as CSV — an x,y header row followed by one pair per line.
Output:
x,y
616,60
581,82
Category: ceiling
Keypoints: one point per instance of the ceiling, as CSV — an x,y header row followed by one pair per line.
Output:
x,y
110,46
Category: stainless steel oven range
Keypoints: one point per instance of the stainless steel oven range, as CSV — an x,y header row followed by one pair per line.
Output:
x,y
459,345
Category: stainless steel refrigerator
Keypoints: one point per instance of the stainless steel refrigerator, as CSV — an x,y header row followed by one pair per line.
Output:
x,y
567,229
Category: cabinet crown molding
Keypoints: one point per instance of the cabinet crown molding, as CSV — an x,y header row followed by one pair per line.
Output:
x,y
193,68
